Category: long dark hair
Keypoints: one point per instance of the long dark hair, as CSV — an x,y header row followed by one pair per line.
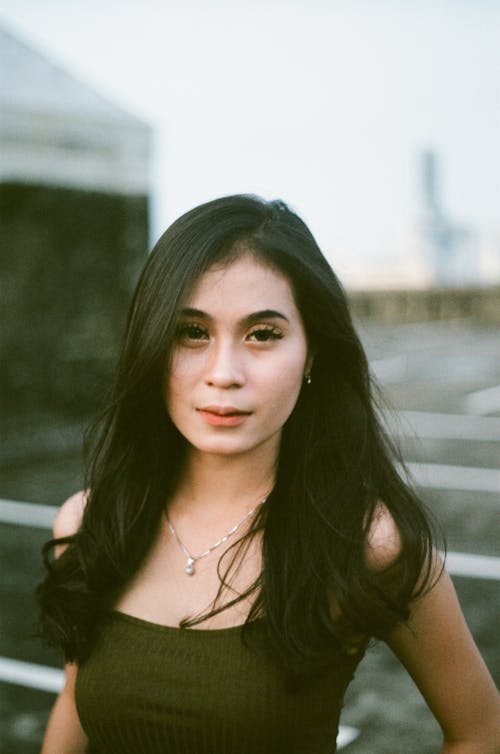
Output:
x,y
335,465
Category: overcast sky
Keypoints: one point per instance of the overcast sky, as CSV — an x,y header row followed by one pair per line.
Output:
x,y
324,103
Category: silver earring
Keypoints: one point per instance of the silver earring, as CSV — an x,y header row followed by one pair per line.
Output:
x,y
308,378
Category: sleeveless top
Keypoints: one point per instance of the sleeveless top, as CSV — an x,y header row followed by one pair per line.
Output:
x,y
152,689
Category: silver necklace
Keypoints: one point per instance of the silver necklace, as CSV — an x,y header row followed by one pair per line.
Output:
x,y
191,559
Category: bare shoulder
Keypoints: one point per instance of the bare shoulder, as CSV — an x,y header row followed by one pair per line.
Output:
x,y
69,516
383,545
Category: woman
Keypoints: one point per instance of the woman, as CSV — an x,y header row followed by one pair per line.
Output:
x,y
245,530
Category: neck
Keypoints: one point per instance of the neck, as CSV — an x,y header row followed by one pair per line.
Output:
x,y
213,485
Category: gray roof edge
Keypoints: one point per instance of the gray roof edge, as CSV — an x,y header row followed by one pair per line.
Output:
x,y
25,70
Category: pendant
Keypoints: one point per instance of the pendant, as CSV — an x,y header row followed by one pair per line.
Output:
x,y
189,569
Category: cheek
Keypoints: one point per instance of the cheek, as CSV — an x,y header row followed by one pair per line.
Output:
x,y
284,385
184,363
184,368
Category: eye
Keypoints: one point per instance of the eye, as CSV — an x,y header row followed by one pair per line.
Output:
x,y
192,332
265,334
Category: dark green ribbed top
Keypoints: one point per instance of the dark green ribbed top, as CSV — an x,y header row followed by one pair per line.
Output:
x,y
151,689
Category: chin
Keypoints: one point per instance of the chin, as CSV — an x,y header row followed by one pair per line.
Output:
x,y
223,446
222,449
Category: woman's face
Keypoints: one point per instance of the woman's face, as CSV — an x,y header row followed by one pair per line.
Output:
x,y
239,361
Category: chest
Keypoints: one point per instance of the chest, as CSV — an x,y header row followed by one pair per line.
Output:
x,y
162,591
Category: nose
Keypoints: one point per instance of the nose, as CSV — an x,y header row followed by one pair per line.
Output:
x,y
224,367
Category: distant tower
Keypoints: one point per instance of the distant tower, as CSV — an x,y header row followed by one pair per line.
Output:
x,y
448,249
429,179
436,231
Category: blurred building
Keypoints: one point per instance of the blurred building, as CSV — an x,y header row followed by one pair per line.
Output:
x,y
74,185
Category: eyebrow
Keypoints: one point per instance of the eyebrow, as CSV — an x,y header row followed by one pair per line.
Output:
x,y
249,320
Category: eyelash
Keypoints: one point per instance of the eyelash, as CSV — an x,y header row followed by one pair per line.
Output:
x,y
194,332
271,332
186,331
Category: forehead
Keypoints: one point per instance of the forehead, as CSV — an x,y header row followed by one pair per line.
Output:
x,y
245,284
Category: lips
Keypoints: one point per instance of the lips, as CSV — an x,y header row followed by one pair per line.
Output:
x,y
224,410
223,416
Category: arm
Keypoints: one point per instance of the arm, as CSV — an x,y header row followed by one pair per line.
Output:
x,y
438,651
64,734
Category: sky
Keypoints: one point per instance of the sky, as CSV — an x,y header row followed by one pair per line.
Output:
x,y
326,104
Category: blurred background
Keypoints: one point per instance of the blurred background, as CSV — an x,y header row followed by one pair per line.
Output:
x,y
378,122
